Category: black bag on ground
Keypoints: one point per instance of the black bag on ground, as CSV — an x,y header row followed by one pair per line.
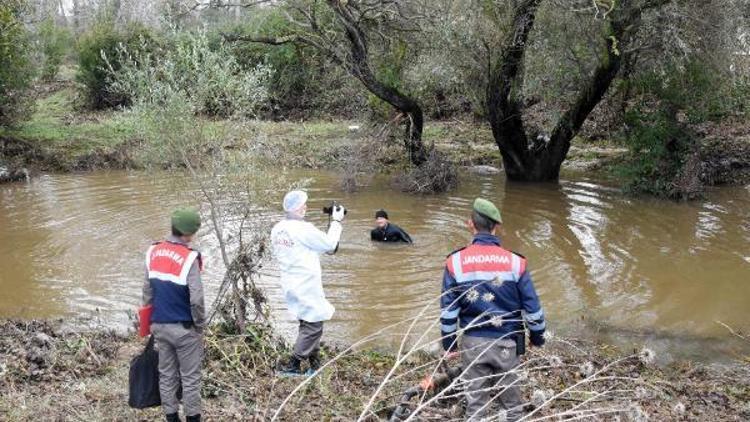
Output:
x,y
144,378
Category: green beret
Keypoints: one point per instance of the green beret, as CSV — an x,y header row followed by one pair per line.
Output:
x,y
186,220
487,209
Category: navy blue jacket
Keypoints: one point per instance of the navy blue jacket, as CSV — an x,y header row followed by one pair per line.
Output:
x,y
488,292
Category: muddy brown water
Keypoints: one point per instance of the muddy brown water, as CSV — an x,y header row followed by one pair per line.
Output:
x,y
607,267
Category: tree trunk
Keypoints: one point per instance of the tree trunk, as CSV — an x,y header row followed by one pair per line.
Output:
x,y
540,159
76,17
359,66
404,104
504,108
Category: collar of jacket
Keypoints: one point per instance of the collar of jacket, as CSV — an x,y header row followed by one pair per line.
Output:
x,y
485,239
174,239
293,216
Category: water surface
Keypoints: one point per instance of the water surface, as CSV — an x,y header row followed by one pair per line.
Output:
x,y
606,266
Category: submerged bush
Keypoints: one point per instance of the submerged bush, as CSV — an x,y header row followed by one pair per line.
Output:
x,y
435,175
16,71
104,40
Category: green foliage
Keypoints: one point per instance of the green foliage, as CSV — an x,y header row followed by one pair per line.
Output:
x,y
209,81
16,71
101,42
658,145
292,84
303,80
389,69
172,87
659,137
53,42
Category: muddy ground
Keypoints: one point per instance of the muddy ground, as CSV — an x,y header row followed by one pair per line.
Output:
x,y
48,372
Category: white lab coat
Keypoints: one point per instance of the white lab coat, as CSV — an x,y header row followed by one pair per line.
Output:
x,y
297,246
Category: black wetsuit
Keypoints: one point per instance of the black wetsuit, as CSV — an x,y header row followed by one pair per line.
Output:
x,y
391,233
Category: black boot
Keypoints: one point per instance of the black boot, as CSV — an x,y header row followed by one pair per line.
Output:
x,y
314,360
289,369
173,417
194,418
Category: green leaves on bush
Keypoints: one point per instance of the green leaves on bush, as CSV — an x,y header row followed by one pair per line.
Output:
x,y
304,81
208,80
103,40
658,121
53,44
16,71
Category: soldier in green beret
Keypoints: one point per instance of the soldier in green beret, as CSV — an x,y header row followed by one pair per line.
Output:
x,y
489,301
174,289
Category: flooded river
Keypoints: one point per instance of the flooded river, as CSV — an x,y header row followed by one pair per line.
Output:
x,y
632,271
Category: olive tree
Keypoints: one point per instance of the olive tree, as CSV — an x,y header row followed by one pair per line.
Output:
x,y
539,156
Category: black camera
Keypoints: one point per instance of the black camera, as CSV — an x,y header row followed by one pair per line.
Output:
x,y
329,209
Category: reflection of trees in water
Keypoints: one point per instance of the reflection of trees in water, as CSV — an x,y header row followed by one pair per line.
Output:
x,y
536,225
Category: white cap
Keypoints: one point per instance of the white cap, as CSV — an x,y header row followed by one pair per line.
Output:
x,y
294,200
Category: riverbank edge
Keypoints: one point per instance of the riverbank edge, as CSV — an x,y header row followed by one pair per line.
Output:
x,y
59,138
49,372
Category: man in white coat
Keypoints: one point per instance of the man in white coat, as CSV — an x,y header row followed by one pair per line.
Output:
x,y
297,245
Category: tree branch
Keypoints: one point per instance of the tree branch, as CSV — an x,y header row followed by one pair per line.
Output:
x,y
264,40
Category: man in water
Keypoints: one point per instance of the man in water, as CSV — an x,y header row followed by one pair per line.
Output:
x,y
173,287
385,231
488,292
297,246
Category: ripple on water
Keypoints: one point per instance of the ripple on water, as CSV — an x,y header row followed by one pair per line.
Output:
x,y
628,263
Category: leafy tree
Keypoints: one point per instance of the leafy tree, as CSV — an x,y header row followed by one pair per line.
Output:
x,y
16,71
538,156
343,30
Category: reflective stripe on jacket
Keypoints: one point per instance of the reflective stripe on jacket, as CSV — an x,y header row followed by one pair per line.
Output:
x,y
488,292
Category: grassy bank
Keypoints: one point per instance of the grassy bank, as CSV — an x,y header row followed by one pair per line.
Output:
x,y
60,137
49,373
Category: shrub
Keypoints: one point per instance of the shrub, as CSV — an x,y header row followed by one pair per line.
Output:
x,y
53,44
659,145
436,175
169,86
209,80
16,71
664,149
103,41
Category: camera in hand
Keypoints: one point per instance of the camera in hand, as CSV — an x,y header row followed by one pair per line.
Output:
x,y
329,209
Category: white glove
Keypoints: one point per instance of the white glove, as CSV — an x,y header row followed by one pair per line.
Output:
x,y
338,213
